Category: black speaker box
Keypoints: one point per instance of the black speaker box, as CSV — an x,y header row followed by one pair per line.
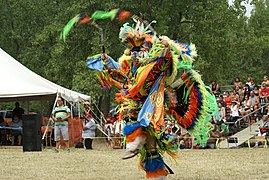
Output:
x,y
31,124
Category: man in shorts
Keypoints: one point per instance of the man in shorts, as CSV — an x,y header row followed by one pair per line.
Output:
x,y
60,116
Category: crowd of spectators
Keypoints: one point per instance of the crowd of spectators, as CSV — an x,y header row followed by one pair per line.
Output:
x,y
244,100
178,134
240,101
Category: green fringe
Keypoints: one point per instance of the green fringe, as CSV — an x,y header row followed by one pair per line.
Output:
x,y
208,109
104,15
68,27
184,65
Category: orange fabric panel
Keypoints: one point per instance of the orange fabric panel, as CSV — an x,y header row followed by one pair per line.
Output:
x,y
141,79
157,120
75,131
138,132
159,172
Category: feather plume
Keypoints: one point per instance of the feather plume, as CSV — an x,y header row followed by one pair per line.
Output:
x,y
68,27
104,15
193,51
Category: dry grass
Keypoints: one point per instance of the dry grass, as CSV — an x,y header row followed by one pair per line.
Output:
x,y
104,163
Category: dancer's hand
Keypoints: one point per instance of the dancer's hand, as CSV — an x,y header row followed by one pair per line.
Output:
x,y
59,119
165,42
104,57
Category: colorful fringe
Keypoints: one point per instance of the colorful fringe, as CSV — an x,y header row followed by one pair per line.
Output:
x,y
149,90
83,19
132,132
201,106
155,168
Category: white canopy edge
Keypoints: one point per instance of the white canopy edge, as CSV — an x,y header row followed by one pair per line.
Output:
x,y
17,82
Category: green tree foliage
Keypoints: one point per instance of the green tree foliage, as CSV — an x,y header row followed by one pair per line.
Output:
x,y
228,43
259,25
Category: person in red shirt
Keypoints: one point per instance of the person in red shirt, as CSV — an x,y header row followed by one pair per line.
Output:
x,y
228,99
109,124
264,93
110,119
109,129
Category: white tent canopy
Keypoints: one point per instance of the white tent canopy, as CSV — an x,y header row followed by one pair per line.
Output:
x,y
19,83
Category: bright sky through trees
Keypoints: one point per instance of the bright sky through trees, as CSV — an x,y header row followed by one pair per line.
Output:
x,y
248,6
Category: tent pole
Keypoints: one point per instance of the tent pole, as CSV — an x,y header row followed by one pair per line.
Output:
x,y
73,128
55,102
71,111
78,109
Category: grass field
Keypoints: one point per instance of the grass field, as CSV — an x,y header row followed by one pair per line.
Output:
x,y
104,163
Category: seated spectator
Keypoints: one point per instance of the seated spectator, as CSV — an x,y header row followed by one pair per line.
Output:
x,y
249,79
251,86
222,130
110,119
172,138
264,93
215,88
266,81
185,138
235,96
221,114
256,90
182,144
222,101
213,132
228,99
118,127
264,127
109,129
246,92
240,92
254,101
234,111
245,108
175,129
168,129
238,83
17,131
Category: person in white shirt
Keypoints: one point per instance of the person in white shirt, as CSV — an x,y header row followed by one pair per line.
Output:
x,y
234,111
88,132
